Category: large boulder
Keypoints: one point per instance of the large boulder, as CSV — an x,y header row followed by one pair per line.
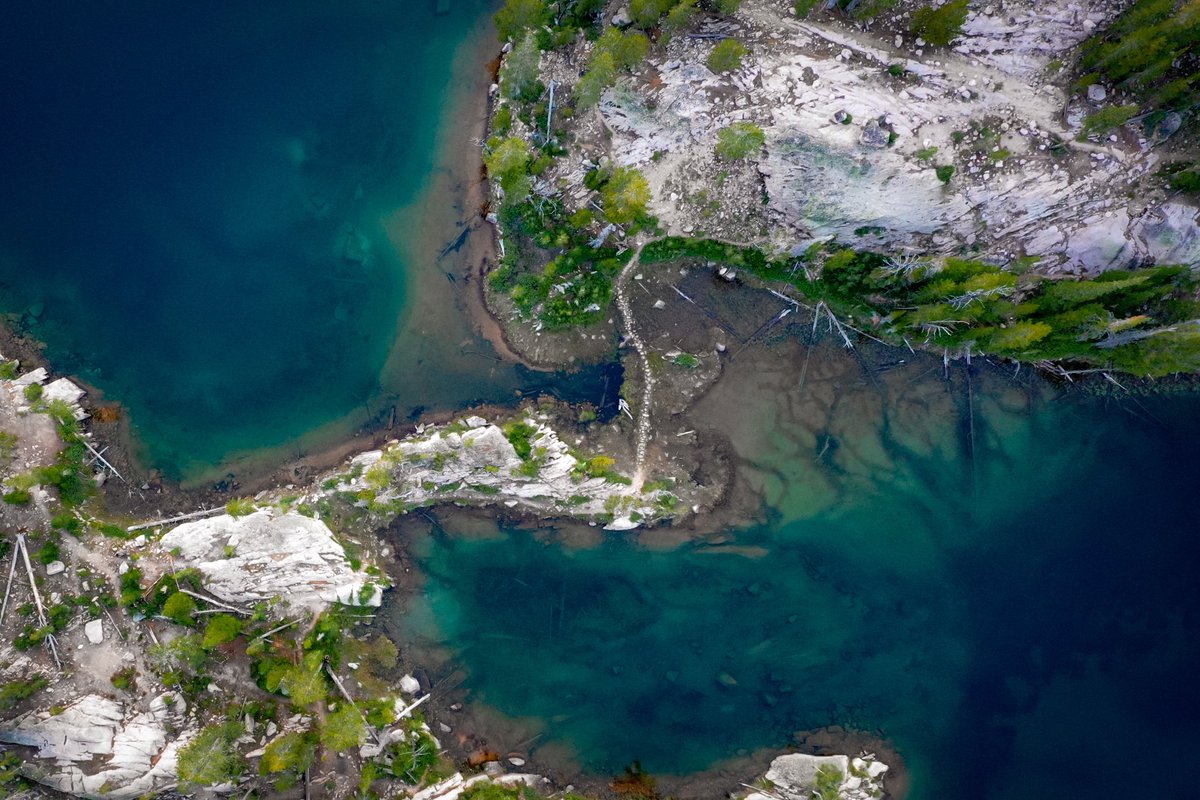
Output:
x,y
794,777
99,748
266,555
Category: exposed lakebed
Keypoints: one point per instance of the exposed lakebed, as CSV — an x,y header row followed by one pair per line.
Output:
x,y
1013,622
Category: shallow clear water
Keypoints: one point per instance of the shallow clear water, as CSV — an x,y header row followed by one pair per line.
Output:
x,y
1019,625
213,211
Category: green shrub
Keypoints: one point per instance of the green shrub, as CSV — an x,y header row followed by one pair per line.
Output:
x,y
508,164
519,16
1106,119
726,56
19,689
945,172
739,140
647,13
343,729
124,679
289,756
33,392
240,507
828,783
221,629
625,197
212,756
180,608
939,26
1150,51
413,759
49,552
1182,176
519,72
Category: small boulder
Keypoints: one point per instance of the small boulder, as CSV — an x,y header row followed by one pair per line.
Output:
x,y
94,631
55,567
410,685
874,134
1096,94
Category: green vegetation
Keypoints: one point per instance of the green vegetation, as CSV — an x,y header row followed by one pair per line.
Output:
x,y
614,52
804,7
625,195
413,759
212,757
124,679
15,691
739,140
180,608
343,729
945,172
726,56
1106,119
221,629
33,392
287,757
519,73
939,26
1152,51
1182,176
520,435
240,507
681,15
508,164
829,782
519,16
1134,321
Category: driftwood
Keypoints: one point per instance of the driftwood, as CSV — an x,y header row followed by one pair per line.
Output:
x,y
182,517
413,707
37,599
12,571
103,460
216,603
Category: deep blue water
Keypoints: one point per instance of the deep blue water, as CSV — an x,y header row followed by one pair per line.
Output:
x,y
1035,638
196,201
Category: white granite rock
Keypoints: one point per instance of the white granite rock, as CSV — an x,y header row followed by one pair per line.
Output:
x,y
99,748
289,556
94,631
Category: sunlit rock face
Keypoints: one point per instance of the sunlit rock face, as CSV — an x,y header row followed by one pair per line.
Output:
x,y
97,747
266,555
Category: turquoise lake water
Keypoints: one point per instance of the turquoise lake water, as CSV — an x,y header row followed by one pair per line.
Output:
x,y
1031,637
202,206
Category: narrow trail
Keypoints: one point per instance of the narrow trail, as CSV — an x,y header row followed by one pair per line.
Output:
x,y
642,435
